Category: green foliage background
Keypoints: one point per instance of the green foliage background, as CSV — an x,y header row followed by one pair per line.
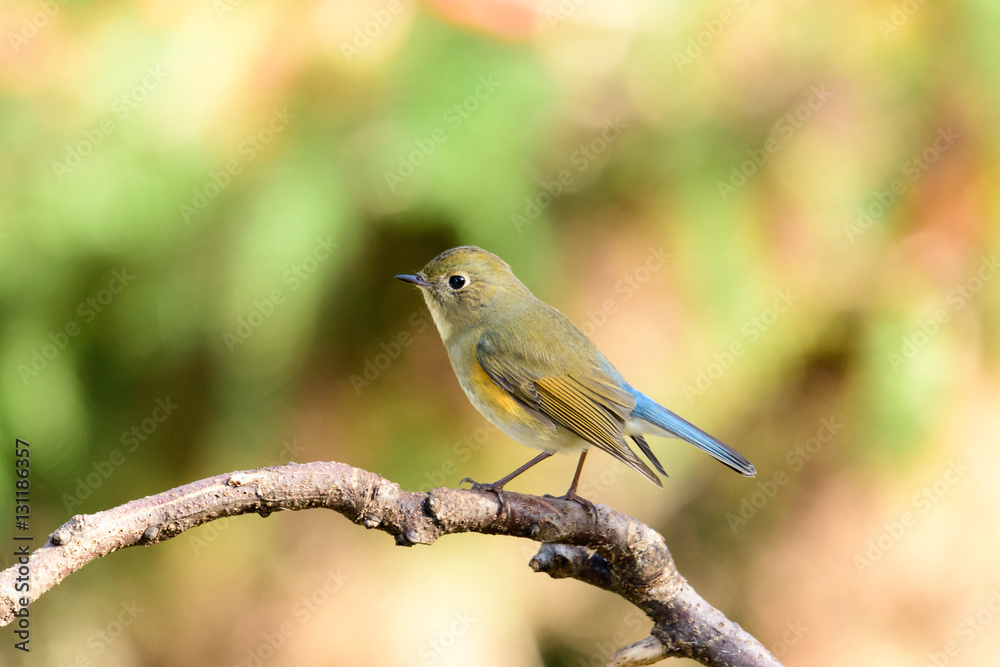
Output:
x,y
828,263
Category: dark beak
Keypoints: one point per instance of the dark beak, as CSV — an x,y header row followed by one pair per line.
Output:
x,y
414,280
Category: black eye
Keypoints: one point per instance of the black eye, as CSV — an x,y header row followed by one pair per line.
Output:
x,y
456,282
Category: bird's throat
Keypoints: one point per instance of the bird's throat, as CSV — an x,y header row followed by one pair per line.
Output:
x,y
438,315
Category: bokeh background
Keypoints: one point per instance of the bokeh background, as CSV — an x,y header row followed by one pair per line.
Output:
x,y
778,217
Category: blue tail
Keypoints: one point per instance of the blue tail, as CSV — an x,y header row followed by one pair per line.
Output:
x,y
652,412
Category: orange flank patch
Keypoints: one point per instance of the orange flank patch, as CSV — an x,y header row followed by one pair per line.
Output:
x,y
496,399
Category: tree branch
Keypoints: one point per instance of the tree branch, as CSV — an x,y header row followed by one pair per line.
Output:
x,y
595,545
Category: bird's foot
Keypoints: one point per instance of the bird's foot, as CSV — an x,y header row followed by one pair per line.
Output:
x,y
495,487
573,496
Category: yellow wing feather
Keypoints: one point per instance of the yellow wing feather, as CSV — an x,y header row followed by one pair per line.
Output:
x,y
591,404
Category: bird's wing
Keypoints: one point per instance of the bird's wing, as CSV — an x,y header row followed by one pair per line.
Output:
x,y
588,402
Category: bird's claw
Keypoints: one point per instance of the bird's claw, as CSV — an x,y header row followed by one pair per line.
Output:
x,y
495,488
573,496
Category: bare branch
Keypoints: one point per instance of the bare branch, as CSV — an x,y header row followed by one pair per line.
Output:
x,y
595,545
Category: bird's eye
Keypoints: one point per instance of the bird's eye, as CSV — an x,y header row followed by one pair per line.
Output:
x,y
456,282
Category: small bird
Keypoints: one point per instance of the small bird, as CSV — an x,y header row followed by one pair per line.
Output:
x,y
535,376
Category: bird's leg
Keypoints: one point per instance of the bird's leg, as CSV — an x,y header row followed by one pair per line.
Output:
x,y
571,493
497,486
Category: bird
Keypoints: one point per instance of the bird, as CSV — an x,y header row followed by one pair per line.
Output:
x,y
537,377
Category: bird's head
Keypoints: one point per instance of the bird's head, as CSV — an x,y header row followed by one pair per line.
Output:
x,y
464,285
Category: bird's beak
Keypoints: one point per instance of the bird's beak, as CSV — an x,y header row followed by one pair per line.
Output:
x,y
417,280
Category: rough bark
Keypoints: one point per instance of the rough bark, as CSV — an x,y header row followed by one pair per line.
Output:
x,y
593,544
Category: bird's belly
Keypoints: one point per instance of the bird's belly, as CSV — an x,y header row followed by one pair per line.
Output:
x,y
508,415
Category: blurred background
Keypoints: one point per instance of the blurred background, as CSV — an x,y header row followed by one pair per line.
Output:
x,y
779,218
